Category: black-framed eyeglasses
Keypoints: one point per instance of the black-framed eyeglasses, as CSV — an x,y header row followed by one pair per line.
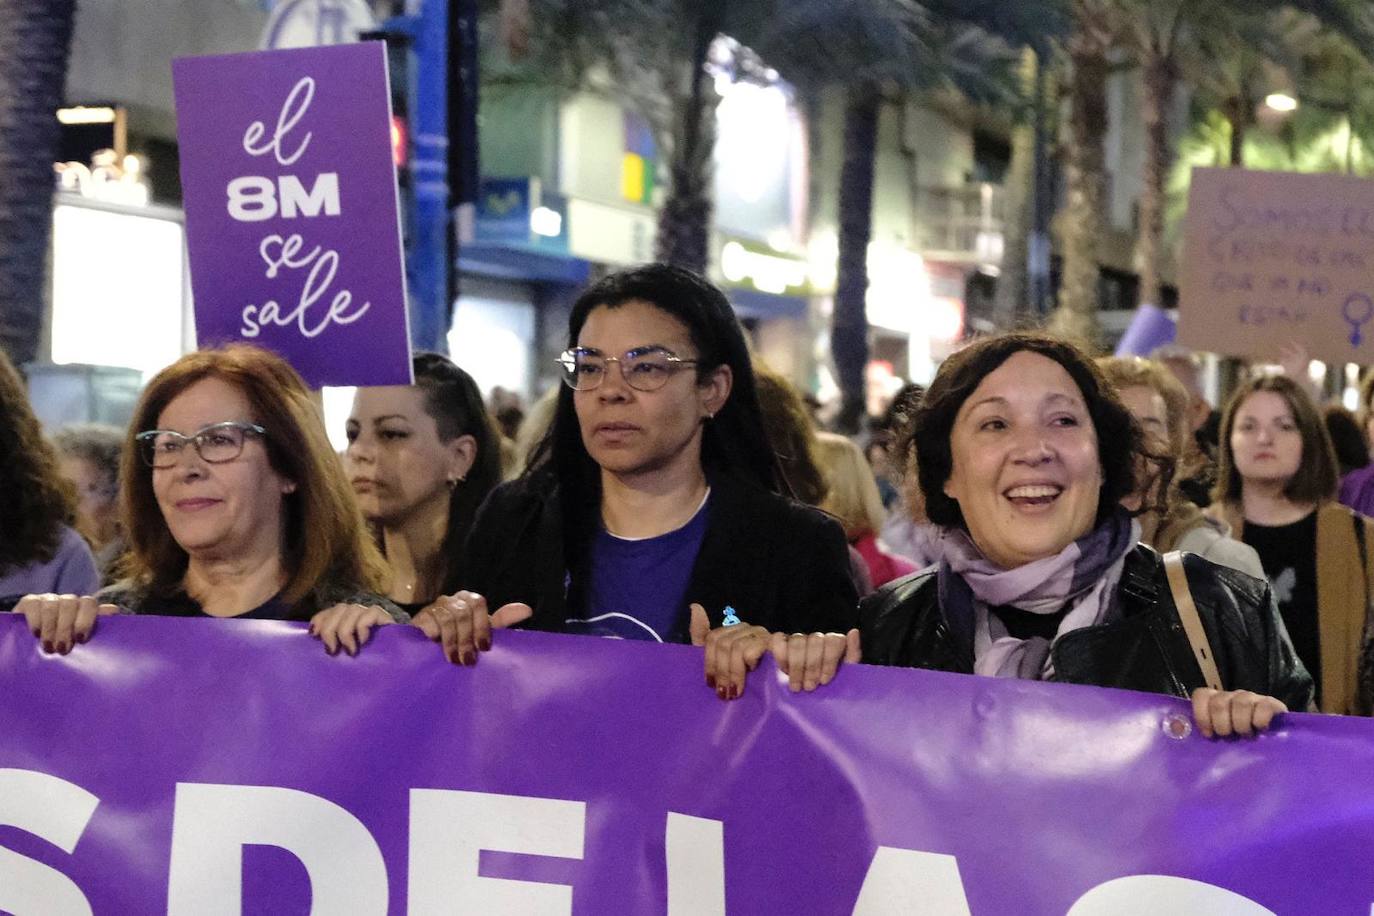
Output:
x,y
644,368
216,443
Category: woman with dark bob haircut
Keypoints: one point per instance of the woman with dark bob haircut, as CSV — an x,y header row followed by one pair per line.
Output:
x,y
654,508
234,505
1026,453
1276,488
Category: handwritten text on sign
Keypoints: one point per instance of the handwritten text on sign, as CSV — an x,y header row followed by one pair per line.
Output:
x,y
291,209
1273,258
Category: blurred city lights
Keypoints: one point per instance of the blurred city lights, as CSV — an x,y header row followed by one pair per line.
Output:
x,y
1281,101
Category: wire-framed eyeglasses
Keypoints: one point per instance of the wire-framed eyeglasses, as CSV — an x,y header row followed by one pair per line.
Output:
x,y
216,443
644,368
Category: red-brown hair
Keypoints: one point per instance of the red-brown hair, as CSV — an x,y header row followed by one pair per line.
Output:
x,y
325,540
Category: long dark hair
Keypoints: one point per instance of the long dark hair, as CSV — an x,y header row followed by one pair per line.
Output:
x,y
732,442
454,401
35,499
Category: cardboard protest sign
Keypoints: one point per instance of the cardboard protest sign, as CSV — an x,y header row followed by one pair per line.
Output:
x,y
1273,258
292,219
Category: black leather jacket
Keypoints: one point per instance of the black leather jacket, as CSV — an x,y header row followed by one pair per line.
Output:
x,y
1145,648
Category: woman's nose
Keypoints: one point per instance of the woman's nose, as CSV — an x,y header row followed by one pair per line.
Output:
x,y
613,386
1032,448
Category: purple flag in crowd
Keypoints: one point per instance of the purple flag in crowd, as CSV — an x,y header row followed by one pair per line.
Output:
x,y
208,767
291,209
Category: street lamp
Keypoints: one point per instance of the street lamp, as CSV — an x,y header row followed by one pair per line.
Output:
x,y
1281,101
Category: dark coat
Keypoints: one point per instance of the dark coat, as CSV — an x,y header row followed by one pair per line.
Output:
x,y
1144,649
781,565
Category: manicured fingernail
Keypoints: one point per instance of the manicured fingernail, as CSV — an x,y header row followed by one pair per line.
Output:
x,y
734,692
722,693
81,638
484,643
47,646
711,681
469,657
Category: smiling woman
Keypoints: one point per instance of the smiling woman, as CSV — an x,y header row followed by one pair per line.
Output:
x,y
654,507
233,502
1026,453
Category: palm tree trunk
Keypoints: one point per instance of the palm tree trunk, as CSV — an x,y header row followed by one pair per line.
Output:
x,y
1237,111
34,48
1077,313
1013,286
849,321
684,222
1160,78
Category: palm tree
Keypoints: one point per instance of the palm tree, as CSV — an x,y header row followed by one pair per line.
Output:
x,y
1087,49
1178,38
652,54
34,49
877,52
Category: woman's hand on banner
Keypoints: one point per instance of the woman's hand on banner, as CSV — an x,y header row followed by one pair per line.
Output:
x,y
732,651
811,659
1221,713
62,621
347,625
462,626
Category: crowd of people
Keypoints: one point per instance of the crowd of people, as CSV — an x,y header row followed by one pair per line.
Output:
x,y
1034,513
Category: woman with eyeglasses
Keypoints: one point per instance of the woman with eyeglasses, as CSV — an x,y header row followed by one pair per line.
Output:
x,y
236,506
653,509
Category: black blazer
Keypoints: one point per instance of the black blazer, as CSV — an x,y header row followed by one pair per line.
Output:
x,y
781,565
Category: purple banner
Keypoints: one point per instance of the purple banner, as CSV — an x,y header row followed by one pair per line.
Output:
x,y
292,220
208,767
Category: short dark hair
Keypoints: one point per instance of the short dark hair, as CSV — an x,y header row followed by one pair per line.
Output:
x,y
1347,438
98,444
733,441
1120,444
1315,480
452,399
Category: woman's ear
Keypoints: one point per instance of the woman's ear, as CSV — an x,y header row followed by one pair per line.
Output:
x,y
715,389
462,454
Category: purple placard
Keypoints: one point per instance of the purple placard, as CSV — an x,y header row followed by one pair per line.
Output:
x,y
1150,328
292,222
169,765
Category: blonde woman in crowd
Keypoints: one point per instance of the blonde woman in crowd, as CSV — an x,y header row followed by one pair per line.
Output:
x,y
852,497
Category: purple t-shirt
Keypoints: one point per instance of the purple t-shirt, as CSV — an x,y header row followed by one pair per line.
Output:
x,y
71,571
1357,490
637,587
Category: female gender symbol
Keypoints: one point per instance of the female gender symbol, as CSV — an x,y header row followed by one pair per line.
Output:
x,y
1357,320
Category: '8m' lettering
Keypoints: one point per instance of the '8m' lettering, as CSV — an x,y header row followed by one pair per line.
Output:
x,y
254,198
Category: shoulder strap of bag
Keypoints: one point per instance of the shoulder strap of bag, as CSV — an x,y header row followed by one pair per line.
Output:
x,y
1361,542
1188,616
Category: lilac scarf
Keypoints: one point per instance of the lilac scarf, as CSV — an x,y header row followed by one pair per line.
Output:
x,y
1083,576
